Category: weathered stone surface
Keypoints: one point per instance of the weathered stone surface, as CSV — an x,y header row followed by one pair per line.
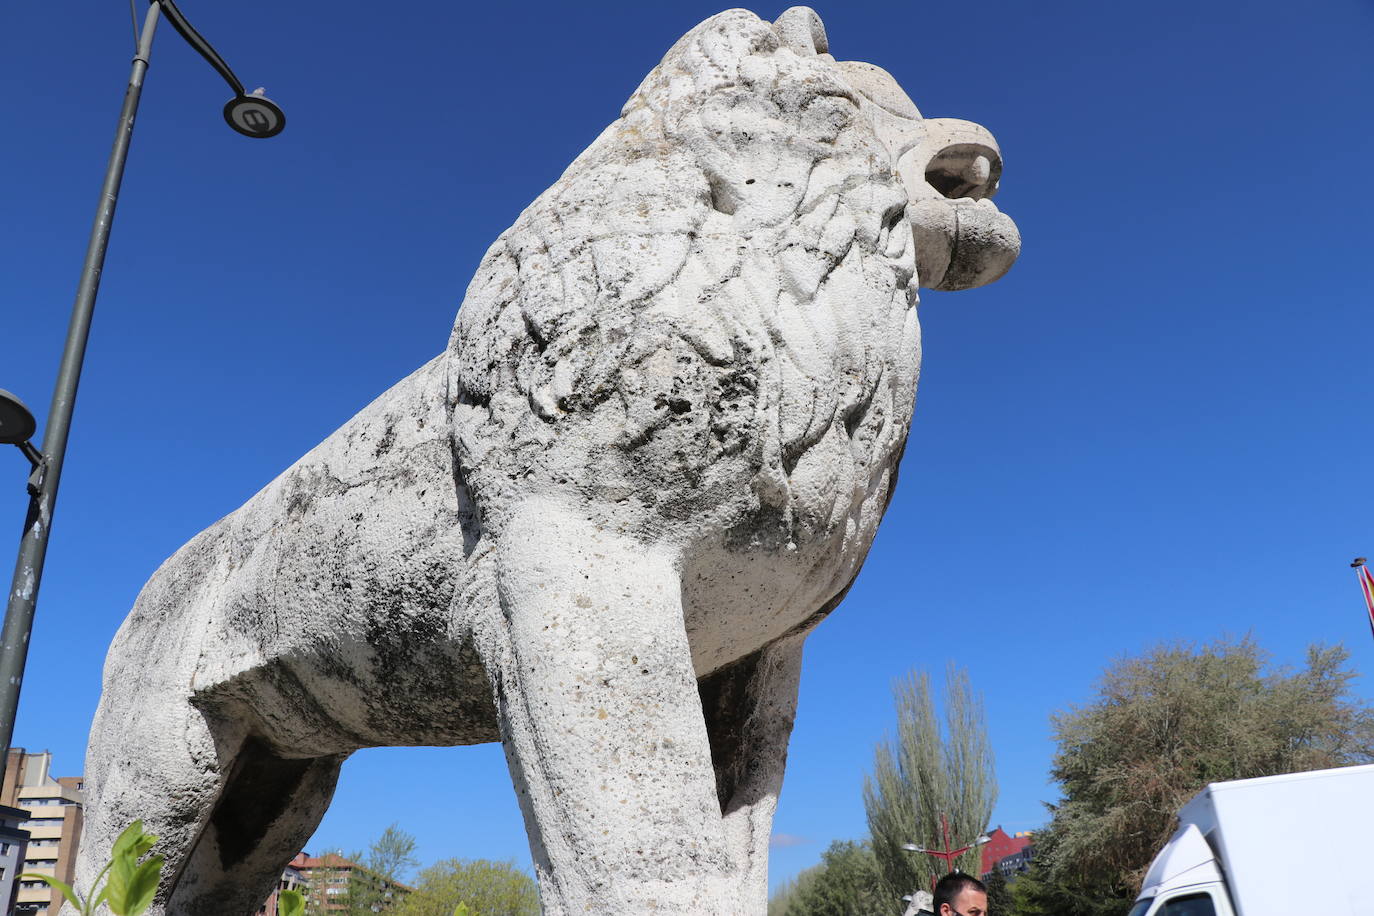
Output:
x,y
599,526
920,902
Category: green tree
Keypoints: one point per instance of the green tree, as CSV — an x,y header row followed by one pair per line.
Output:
x,y
925,772
1162,726
999,895
846,883
1037,893
788,890
392,855
487,888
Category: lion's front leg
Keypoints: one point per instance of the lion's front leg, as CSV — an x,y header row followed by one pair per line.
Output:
x,y
602,723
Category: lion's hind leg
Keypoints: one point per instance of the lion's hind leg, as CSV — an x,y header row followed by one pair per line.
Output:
x,y
268,807
750,706
228,809
253,662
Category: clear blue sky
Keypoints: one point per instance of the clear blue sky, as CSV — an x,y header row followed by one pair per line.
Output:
x,y
1156,427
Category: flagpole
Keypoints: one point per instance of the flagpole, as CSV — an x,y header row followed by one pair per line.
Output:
x,y
1366,587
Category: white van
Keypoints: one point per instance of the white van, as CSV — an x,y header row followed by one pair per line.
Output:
x,y
1286,845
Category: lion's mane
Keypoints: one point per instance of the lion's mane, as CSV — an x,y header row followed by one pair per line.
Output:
x,y
710,318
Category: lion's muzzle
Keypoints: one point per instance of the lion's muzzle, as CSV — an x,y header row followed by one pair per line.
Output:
x,y
962,239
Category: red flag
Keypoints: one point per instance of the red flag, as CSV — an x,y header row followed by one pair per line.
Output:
x,y
1367,586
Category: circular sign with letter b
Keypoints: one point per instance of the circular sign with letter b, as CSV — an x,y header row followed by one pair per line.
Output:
x,y
254,116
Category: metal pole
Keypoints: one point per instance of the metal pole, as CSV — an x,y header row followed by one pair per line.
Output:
x,y
33,547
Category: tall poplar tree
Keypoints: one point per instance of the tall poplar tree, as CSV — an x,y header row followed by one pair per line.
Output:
x,y
925,771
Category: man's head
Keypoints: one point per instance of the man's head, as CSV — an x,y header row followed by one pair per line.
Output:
x,y
959,894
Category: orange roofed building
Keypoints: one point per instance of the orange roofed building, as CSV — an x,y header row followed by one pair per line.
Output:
x,y
332,880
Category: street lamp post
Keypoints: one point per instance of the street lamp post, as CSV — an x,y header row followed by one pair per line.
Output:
x,y
250,115
946,853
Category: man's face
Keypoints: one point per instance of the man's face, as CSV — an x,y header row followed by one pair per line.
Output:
x,y
970,902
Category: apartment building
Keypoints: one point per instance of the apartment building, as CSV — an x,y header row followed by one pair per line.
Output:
x,y
291,880
339,884
54,807
14,844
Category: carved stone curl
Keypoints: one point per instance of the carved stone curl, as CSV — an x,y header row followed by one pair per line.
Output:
x,y
600,524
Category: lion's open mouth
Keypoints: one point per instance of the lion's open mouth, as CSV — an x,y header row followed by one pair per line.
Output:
x,y
965,171
951,174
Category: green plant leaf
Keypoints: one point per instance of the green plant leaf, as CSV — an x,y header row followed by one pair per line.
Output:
x,y
66,889
133,841
291,903
101,877
99,898
462,910
145,843
142,886
130,886
126,839
117,884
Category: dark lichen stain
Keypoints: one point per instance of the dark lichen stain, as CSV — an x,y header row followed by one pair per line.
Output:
x,y
388,438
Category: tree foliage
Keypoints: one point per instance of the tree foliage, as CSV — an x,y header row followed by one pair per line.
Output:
x,y
1038,893
391,855
846,883
487,888
925,772
1162,726
999,895
788,890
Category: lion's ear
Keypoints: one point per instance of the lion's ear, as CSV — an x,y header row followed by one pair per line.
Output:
x,y
801,30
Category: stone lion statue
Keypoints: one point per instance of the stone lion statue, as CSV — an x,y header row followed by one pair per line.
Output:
x,y
599,525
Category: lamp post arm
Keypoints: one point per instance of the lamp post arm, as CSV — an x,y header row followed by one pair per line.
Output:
x,y
33,546
34,455
197,41
39,467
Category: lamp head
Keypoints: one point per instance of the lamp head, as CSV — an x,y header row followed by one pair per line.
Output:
x,y
16,421
254,116
912,847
